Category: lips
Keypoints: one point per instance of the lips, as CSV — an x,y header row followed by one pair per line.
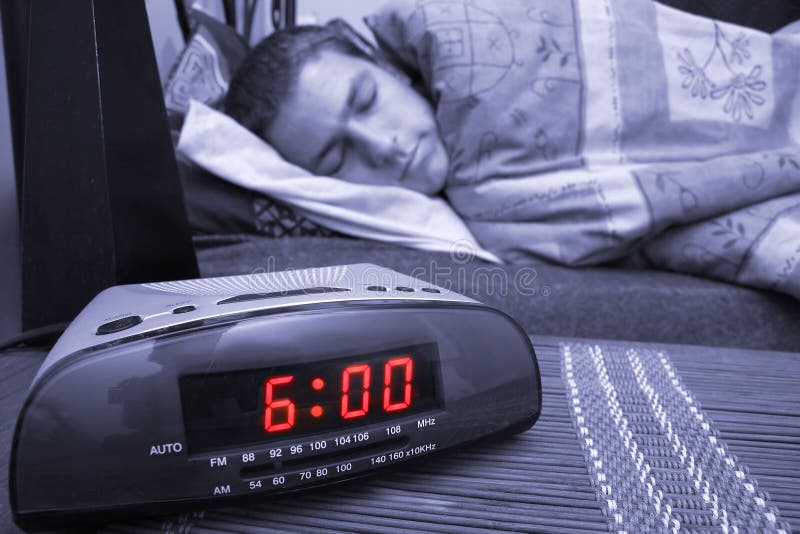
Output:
x,y
410,160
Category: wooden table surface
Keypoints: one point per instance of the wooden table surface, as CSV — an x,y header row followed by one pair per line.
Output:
x,y
746,372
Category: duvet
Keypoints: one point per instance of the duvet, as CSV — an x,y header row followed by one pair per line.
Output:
x,y
582,131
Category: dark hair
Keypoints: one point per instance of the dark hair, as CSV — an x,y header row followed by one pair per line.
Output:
x,y
265,78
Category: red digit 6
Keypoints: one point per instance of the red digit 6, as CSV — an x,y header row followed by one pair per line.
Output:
x,y
272,405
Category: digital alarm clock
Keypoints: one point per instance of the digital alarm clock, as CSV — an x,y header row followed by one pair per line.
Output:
x,y
166,396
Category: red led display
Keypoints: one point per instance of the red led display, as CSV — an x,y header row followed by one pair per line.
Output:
x,y
356,381
222,410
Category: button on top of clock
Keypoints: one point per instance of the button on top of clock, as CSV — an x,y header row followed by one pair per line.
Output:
x,y
247,297
118,325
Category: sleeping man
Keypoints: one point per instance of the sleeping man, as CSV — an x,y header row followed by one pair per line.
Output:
x,y
329,107
575,132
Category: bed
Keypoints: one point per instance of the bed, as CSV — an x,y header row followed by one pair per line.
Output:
x,y
245,202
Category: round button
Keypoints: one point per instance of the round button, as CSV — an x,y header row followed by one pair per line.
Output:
x,y
184,309
431,290
405,289
112,327
376,288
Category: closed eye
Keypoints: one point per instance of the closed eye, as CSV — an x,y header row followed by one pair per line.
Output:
x,y
361,98
333,160
364,93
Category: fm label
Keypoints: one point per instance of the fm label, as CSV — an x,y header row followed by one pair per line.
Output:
x,y
166,448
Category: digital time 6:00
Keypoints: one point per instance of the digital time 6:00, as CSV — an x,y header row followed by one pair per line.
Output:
x,y
244,407
351,374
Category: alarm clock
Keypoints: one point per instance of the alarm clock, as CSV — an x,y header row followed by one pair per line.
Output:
x,y
166,396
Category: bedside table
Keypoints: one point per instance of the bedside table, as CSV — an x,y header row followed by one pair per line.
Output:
x,y
714,431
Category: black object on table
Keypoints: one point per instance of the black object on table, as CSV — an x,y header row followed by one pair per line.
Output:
x,y
101,200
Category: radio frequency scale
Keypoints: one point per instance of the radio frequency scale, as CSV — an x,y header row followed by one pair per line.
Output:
x,y
164,396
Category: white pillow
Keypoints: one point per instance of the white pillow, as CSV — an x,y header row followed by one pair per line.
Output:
x,y
393,214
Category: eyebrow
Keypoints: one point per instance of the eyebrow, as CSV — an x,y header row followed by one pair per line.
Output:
x,y
355,84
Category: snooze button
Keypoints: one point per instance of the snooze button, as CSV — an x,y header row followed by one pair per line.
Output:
x,y
119,325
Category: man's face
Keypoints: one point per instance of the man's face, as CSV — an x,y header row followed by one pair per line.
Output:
x,y
350,118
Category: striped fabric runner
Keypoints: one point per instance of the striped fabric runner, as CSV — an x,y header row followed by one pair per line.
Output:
x,y
655,456
641,439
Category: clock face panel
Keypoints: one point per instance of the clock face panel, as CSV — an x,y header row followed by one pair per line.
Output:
x,y
241,408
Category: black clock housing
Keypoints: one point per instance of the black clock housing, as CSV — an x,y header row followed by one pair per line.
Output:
x,y
263,401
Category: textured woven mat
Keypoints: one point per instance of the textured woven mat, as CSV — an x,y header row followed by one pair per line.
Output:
x,y
678,439
656,458
540,480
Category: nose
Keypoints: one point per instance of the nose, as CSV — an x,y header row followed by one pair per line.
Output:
x,y
378,144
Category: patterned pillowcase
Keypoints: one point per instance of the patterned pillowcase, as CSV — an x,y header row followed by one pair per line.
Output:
x,y
508,99
202,72
204,68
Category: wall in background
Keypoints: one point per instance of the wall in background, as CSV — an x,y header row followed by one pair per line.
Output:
x,y
321,11
168,41
166,33
10,271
